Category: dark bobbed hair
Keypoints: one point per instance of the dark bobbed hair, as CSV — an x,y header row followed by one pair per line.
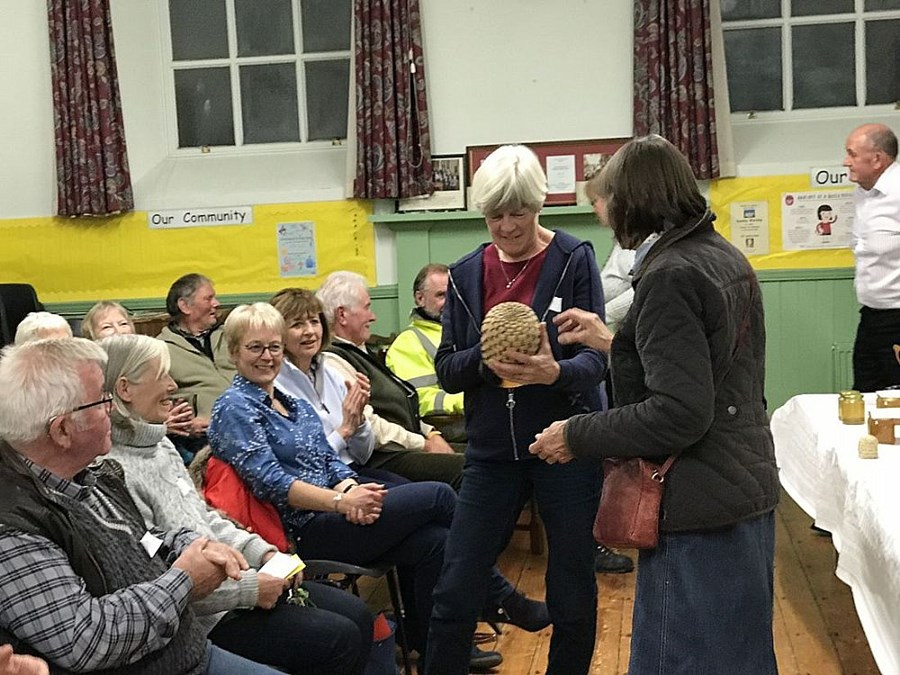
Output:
x,y
183,289
647,184
299,303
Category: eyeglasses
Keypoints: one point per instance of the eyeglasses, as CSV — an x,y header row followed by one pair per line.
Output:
x,y
257,349
107,401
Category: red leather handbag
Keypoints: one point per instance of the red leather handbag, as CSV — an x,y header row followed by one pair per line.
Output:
x,y
628,515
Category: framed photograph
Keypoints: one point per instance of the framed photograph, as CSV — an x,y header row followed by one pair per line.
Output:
x,y
568,164
449,187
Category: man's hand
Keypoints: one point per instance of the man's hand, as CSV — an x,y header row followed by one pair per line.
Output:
x,y
541,368
198,426
206,576
21,664
578,326
231,560
550,444
437,445
179,420
269,589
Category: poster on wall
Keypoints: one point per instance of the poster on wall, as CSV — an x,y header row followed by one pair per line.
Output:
x,y
816,220
750,227
296,249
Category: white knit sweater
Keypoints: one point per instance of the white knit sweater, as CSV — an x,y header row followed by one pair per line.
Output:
x,y
162,489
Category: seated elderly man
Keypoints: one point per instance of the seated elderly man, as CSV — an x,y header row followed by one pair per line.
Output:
x,y
201,366
41,326
411,355
85,584
403,443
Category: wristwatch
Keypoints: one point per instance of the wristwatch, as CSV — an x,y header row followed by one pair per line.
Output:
x,y
337,499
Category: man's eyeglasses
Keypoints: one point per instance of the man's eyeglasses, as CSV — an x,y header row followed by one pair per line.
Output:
x,y
107,401
257,349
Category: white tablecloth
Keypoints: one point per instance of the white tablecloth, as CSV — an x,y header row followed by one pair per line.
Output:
x,y
857,500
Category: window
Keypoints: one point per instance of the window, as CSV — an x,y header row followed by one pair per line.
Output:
x,y
250,72
811,54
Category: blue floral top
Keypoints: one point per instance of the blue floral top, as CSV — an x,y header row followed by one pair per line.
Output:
x,y
270,451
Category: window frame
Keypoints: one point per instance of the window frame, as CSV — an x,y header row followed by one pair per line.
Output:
x,y
858,17
234,63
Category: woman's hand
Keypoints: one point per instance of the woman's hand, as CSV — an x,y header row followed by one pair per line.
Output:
x,y
179,420
541,368
579,326
362,504
550,444
269,589
354,403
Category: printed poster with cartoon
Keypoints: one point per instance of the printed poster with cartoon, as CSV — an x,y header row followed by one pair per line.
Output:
x,y
815,220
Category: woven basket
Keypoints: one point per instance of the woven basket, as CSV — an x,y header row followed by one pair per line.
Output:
x,y
509,325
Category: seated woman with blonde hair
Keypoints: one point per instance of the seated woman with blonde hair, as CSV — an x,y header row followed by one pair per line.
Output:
x,y
250,616
106,318
277,445
42,326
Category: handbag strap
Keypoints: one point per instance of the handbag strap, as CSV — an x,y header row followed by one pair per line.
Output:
x,y
741,334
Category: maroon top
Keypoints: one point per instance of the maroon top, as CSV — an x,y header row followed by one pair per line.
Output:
x,y
510,281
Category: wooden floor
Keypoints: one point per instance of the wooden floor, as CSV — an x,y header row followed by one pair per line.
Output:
x,y
816,628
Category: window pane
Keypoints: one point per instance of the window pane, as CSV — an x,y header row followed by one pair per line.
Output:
x,y
753,58
327,88
198,29
326,25
203,105
875,5
269,101
264,27
812,7
882,57
824,65
734,10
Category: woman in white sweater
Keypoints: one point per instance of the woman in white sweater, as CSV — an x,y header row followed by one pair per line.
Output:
x,y
250,616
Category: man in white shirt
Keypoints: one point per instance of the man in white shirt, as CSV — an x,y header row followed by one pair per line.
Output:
x,y
871,160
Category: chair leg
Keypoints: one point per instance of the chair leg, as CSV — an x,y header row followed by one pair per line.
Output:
x,y
393,580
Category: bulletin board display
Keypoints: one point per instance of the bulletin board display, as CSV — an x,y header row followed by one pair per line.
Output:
x,y
774,199
120,258
568,164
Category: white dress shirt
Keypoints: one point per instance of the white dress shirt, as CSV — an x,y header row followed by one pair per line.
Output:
x,y
876,241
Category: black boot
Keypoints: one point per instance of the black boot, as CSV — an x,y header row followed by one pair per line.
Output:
x,y
518,610
608,561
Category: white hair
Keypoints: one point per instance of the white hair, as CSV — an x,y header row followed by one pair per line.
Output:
x,y
130,356
41,379
36,324
341,289
508,180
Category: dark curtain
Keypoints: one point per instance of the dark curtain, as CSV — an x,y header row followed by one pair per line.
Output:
x,y
393,147
91,163
673,79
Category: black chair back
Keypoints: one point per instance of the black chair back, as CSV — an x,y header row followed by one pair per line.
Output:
x,y
17,300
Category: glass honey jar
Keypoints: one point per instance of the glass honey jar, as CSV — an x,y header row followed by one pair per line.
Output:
x,y
851,407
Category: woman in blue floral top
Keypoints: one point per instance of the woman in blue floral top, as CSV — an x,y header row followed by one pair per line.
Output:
x,y
277,445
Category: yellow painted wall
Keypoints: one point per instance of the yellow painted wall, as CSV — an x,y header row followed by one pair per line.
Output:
x,y
770,189
70,260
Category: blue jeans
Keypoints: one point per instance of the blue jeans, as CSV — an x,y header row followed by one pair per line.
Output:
x,y
703,603
491,497
220,662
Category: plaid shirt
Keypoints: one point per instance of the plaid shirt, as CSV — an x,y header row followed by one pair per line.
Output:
x,y
45,603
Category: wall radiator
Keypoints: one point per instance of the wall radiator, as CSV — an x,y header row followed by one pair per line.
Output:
x,y
841,366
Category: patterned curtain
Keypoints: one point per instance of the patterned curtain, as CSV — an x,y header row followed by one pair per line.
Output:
x,y
393,146
91,163
673,81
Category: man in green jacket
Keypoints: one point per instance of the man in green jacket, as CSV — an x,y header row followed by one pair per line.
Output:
x,y
201,366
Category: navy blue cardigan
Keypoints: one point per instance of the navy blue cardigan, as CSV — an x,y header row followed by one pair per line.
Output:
x,y
501,423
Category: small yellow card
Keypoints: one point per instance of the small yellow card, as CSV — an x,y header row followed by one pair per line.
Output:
x,y
283,565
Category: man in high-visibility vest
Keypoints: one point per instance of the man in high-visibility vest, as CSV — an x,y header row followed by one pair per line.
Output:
x,y
411,355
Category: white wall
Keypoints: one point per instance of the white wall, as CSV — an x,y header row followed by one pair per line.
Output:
x,y
497,71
